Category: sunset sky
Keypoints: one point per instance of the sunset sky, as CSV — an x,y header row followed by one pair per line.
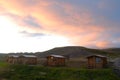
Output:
x,y
39,25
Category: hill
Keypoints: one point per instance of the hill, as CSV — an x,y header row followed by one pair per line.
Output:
x,y
66,51
78,51
113,50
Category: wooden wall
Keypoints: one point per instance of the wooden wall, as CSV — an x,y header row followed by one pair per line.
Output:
x,y
96,62
22,60
55,61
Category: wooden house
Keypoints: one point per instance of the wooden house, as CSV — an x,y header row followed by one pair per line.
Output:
x,y
56,60
96,61
22,59
12,59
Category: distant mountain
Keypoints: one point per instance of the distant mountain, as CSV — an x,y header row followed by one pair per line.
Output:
x,y
77,51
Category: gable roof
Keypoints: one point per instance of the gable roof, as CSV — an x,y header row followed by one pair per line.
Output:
x,y
16,56
97,56
28,55
59,56
13,56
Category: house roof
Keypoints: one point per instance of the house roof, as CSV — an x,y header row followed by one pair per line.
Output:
x,y
21,55
28,55
13,56
97,56
59,56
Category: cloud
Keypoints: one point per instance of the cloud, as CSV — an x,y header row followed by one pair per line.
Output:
x,y
108,44
82,24
30,21
32,34
103,44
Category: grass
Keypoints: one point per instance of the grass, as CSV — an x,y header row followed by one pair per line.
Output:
x,y
3,64
23,72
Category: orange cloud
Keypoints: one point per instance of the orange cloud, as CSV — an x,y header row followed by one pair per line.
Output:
x,y
77,25
103,44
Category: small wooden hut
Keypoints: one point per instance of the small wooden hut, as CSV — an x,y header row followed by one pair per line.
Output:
x,y
22,59
12,59
27,59
56,60
96,61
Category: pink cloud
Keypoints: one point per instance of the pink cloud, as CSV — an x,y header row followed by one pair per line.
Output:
x,y
77,25
103,44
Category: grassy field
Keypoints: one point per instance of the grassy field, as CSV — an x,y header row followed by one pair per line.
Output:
x,y
23,72
3,66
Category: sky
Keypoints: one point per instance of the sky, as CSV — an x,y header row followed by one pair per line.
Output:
x,y
39,25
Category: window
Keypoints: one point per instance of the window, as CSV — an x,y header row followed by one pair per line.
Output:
x,y
98,60
51,57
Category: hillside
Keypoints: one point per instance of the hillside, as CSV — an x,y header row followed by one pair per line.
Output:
x,y
77,51
66,51
113,50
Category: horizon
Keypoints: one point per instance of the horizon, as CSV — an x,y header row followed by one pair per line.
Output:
x,y
40,25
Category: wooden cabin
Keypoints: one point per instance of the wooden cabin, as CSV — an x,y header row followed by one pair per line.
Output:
x,y
96,61
12,59
22,59
56,60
